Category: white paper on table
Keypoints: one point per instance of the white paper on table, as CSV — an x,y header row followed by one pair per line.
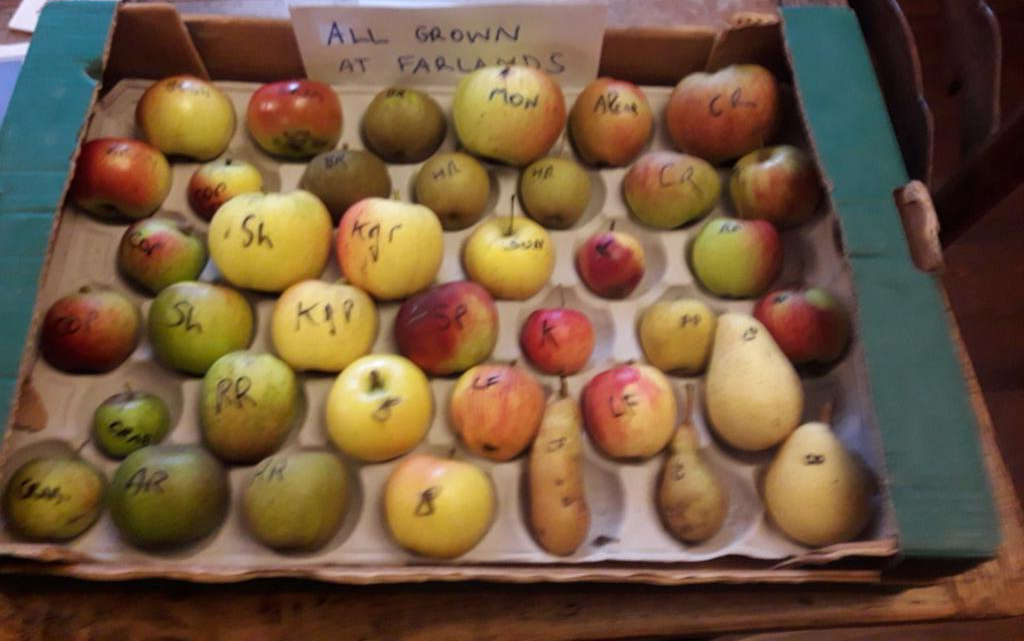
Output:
x,y
26,16
437,43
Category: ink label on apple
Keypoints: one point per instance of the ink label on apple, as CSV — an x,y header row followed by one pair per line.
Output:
x,y
448,171
717,106
128,434
542,173
270,470
623,405
383,412
138,242
425,506
185,316
32,490
512,244
685,178
234,392
486,383
145,481
322,313
608,103
66,325
690,319
514,99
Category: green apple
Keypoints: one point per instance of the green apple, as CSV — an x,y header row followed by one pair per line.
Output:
x,y
511,256
269,242
247,406
380,407
403,125
736,258
127,421
192,324
677,335
456,187
555,192
53,498
665,190
296,500
168,495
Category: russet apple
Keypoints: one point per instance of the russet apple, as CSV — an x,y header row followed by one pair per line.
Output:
x,y
665,189
778,184
677,335
723,115
269,242
323,326
511,256
379,407
736,258
554,191
496,409
510,114
186,116
455,186
557,340
809,325
403,125
120,177
610,122
217,182
342,177
389,248
629,411
438,507
448,328
92,330
157,252
192,324
294,118
611,263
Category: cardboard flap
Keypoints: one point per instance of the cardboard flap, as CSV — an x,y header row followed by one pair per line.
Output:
x,y
150,41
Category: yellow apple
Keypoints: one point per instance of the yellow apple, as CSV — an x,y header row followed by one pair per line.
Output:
x,y
186,116
438,507
379,407
512,257
269,242
677,335
323,326
389,248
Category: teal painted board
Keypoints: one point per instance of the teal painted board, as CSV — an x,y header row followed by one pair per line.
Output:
x,y
47,111
937,482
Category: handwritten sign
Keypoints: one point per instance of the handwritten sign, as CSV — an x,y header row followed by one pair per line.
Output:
x,y
432,44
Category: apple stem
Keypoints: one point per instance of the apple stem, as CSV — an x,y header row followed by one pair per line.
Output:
x,y
227,161
563,387
512,363
511,216
825,413
688,394
376,382
611,227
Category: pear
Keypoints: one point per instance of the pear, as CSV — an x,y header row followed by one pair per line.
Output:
x,y
555,192
53,498
816,491
754,396
403,125
559,516
343,177
456,187
692,500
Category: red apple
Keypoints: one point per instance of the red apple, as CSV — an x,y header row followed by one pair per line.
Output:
x,y
217,182
120,177
157,252
629,411
778,184
611,263
295,118
93,330
557,340
448,328
610,122
809,325
723,115
496,409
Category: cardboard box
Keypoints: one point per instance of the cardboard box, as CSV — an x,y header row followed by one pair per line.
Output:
x,y
934,481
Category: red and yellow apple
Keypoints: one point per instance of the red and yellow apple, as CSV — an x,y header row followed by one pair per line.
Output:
x,y
665,189
448,328
92,330
120,177
629,411
496,409
157,252
778,184
611,263
217,182
294,118
610,122
186,116
809,325
736,258
557,340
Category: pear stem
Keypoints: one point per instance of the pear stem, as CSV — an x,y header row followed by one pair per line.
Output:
x,y
511,217
611,227
825,413
688,394
563,387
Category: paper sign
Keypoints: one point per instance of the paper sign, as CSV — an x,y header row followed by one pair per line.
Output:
x,y
437,44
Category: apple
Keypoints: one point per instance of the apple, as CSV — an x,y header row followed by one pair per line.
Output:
x,y
629,411
192,324
496,409
555,192
736,258
53,498
342,177
809,325
379,407
269,242
512,115
512,257
455,186
778,184
611,263
120,177
92,330
448,328
247,406
157,252
610,122
723,115
664,189
294,118
129,420
323,326
389,248
677,335
183,115
403,125
557,340
217,182
438,507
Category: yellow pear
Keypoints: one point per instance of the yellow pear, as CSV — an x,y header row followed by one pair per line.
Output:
x,y
815,490
676,335
754,396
